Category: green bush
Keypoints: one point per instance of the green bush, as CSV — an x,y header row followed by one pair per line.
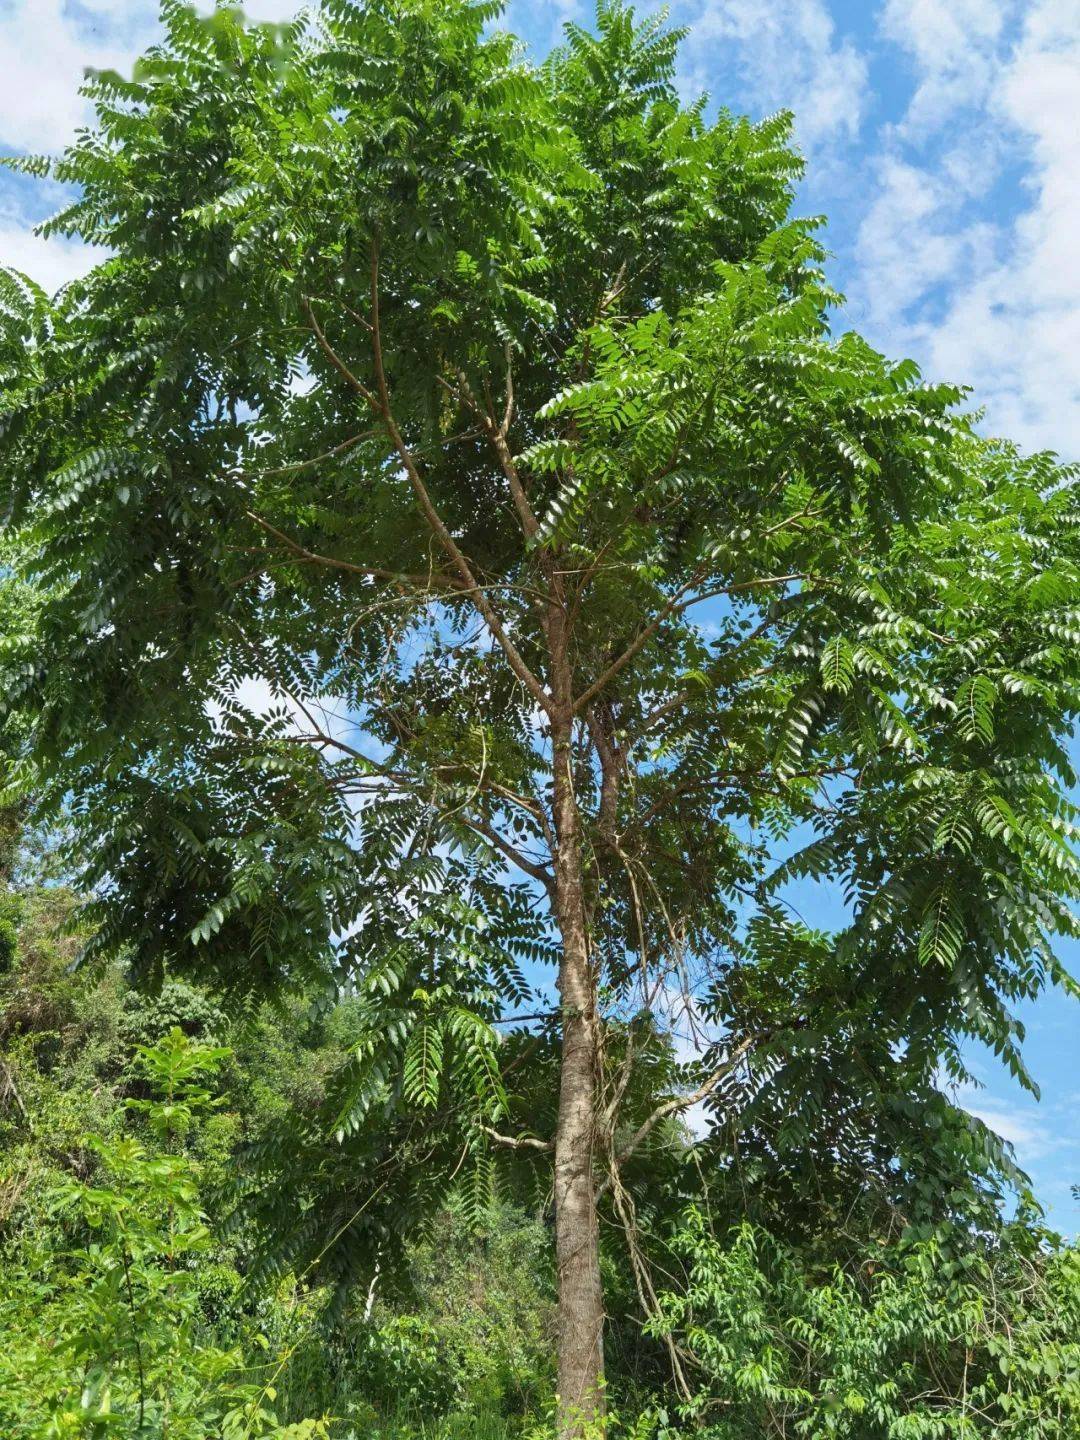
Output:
x,y
109,1336
940,1334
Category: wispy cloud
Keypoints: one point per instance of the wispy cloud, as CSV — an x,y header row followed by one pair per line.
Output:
x,y
1030,1135
52,262
955,47
47,45
45,48
547,28
981,297
787,55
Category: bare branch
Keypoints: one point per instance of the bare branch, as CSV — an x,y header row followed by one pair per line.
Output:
x,y
497,435
335,359
415,582
512,853
316,459
10,1088
518,1142
642,1278
611,766
676,605
638,643
681,1102
524,1019
508,413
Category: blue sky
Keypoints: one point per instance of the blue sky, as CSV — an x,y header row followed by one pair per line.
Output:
x,y
943,140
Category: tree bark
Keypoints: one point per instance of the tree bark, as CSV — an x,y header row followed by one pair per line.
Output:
x,y
580,1294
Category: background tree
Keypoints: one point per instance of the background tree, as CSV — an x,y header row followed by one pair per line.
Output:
x,y
491,415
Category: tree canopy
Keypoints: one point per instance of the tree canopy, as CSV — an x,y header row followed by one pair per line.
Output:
x,y
493,416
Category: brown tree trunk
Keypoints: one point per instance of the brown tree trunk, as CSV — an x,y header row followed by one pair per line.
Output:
x,y
580,1295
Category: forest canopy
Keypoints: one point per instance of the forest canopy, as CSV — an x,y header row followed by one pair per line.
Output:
x,y
495,421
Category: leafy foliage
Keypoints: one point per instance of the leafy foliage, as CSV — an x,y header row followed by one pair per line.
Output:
x,y
491,417
930,1335
107,1338
454,1338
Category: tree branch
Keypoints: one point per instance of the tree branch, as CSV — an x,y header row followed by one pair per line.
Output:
x,y
497,434
675,605
13,1090
512,853
336,360
316,459
637,644
518,1142
442,534
524,1019
680,1102
414,582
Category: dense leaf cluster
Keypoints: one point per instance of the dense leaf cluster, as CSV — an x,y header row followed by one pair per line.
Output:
x,y
490,418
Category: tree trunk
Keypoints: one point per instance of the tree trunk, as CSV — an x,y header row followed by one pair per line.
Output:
x,y
580,1297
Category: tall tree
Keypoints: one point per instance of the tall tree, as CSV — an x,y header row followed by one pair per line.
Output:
x,y
490,414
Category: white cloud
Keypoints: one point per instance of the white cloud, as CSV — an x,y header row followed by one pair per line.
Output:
x,y
330,715
953,43
521,16
997,307
943,33
43,54
1014,329
46,46
678,1011
788,57
258,11
52,262
1028,1134
909,243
